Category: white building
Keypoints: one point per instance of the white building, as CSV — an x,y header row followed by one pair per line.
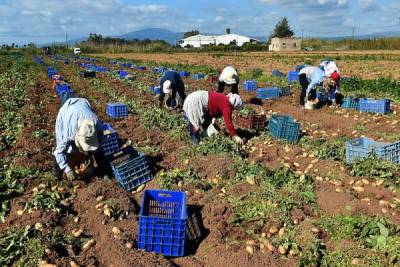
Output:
x,y
226,39
285,44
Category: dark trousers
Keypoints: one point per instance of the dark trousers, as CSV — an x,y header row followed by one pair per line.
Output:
x,y
222,85
103,166
180,92
195,135
304,85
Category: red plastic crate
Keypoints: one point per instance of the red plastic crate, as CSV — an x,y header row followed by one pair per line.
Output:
x,y
252,122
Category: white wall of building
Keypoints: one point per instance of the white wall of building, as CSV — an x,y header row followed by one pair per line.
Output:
x,y
226,39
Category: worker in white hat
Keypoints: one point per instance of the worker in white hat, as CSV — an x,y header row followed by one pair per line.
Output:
x,y
78,130
228,78
172,92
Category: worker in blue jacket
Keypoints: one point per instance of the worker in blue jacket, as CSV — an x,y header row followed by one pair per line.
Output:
x,y
78,132
310,77
172,93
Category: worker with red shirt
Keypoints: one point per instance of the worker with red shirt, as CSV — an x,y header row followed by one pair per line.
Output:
x,y
201,107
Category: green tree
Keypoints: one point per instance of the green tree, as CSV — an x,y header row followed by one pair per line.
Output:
x,y
228,30
282,29
190,33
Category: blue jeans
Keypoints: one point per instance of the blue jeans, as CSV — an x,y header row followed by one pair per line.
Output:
x,y
194,136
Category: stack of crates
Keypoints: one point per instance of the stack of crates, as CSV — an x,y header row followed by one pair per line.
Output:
x,y
162,222
268,93
184,74
250,85
363,147
130,168
117,110
283,127
381,106
110,140
198,76
351,103
293,76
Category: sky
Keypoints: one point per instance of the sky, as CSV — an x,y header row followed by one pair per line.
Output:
x,y
41,21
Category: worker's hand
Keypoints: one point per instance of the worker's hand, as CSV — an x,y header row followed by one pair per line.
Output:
x,y
238,140
70,175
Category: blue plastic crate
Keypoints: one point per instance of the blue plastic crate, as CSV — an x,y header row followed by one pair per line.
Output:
x,y
286,91
130,168
162,222
101,69
198,76
268,93
140,67
110,140
351,103
381,106
293,76
117,110
62,87
155,90
184,74
277,73
283,127
250,85
159,69
364,147
122,73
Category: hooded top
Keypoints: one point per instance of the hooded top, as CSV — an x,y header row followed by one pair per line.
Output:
x,y
314,76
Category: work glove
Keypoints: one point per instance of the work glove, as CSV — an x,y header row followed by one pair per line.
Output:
x,y
70,175
238,140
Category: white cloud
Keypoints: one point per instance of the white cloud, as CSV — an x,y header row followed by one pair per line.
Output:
x,y
368,5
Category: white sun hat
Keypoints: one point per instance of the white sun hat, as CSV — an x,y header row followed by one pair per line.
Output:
x,y
229,76
86,138
167,87
235,100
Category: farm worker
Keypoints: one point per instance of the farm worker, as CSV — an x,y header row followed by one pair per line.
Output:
x,y
78,131
201,107
309,78
171,83
228,78
331,70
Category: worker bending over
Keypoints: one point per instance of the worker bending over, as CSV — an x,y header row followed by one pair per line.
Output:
x,y
79,134
228,78
202,107
172,90
331,70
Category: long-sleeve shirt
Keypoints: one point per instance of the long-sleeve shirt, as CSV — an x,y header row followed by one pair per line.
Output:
x,y
219,106
177,85
314,76
202,104
71,113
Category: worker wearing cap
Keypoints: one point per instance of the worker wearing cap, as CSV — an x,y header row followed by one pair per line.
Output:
x,y
331,70
201,107
309,78
228,78
77,130
171,83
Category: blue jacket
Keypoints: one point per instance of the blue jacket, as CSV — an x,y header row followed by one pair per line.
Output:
x,y
177,85
70,114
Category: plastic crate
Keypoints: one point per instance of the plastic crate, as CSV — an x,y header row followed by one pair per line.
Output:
x,y
162,222
122,74
62,87
250,85
159,69
293,76
117,110
155,90
198,76
351,103
130,168
268,93
285,91
110,140
283,127
381,106
140,67
277,73
184,74
252,122
364,147
88,74
101,69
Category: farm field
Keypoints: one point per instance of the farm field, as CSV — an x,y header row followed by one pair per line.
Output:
x,y
366,64
267,203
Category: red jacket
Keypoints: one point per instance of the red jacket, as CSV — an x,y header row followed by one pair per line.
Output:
x,y
219,106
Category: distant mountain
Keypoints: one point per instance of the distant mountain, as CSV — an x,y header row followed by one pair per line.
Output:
x,y
153,34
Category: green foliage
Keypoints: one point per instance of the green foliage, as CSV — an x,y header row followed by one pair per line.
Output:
x,y
44,200
162,119
169,179
217,144
376,169
245,112
282,29
244,169
378,87
325,149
